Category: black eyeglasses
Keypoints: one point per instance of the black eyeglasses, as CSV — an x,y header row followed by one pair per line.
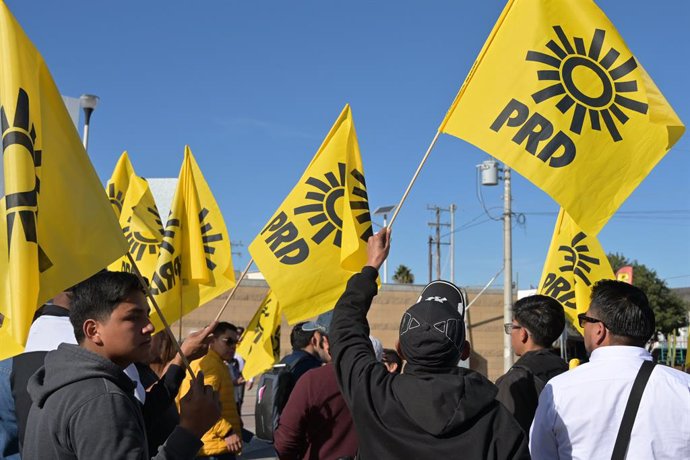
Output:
x,y
508,327
583,318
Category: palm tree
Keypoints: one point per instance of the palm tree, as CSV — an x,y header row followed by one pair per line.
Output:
x,y
403,275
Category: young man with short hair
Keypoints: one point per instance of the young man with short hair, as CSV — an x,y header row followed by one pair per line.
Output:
x,y
310,348
581,411
83,403
538,321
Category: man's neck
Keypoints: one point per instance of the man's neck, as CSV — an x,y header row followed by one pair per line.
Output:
x,y
530,346
93,348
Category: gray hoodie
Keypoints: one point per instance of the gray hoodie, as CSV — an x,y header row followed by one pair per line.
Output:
x,y
84,408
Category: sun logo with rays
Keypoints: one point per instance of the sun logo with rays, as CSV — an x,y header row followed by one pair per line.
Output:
x,y
116,197
576,258
592,84
208,237
140,242
326,205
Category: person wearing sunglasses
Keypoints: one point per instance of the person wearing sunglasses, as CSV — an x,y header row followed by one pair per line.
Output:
x,y
619,403
223,441
538,321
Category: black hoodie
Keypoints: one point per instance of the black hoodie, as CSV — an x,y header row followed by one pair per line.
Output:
x,y
84,407
519,388
424,413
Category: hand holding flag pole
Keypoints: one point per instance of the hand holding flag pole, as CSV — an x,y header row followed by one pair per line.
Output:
x,y
169,331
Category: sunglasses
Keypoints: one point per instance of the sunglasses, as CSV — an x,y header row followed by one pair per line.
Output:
x,y
230,342
583,318
508,327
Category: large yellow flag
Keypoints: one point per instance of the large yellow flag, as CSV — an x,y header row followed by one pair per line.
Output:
x,y
117,186
317,238
57,226
142,226
260,344
575,262
195,261
556,94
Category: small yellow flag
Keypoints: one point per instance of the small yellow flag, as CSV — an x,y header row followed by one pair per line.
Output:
x,y
142,227
57,226
575,262
260,343
117,186
195,263
317,238
556,94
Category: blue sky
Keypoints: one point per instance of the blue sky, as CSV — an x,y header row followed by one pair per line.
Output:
x,y
254,86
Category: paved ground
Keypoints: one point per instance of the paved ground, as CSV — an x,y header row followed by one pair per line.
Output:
x,y
255,449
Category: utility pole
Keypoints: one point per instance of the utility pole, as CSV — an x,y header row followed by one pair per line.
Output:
x,y
452,243
507,269
437,224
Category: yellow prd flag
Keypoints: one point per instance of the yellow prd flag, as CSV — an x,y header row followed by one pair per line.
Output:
x,y
142,226
195,262
57,226
317,238
119,183
575,262
260,344
557,95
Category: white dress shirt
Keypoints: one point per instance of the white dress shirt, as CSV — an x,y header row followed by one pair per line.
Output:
x,y
580,411
47,332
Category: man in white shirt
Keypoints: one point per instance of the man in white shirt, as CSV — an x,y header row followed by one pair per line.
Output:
x,y
580,411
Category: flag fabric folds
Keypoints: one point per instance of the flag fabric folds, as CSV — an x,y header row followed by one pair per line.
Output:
x,y
260,343
574,263
195,262
317,238
556,94
133,203
57,226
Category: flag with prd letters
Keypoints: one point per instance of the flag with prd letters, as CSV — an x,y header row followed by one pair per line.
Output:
x,y
317,238
142,226
556,94
195,260
574,263
57,227
260,343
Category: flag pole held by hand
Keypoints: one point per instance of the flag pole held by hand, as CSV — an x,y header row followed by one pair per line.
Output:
x,y
232,292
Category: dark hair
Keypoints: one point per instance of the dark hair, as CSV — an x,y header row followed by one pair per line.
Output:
x,y
299,338
97,297
392,357
542,316
625,311
222,327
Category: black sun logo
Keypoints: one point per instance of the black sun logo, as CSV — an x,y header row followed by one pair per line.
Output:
x,y
587,82
577,259
325,209
208,238
139,243
116,197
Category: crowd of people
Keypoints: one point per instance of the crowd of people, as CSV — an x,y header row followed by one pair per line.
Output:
x,y
95,382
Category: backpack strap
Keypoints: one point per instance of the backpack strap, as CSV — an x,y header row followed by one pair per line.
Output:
x,y
623,439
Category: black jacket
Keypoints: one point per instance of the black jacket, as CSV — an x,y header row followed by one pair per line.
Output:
x,y
84,407
519,388
424,413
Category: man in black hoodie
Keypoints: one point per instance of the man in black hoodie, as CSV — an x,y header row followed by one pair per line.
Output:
x,y
83,403
434,409
537,322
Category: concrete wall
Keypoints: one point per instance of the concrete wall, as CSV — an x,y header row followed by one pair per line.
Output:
x,y
484,319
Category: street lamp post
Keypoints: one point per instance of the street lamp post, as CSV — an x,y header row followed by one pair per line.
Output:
x,y
88,103
384,211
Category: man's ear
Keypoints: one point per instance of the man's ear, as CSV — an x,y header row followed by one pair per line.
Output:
x,y
90,329
524,335
465,351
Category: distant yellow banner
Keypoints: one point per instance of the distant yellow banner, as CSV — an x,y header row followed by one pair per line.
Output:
x,y
260,344
317,238
556,94
574,263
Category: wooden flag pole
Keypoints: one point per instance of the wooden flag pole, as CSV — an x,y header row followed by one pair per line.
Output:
x,y
414,178
145,285
232,293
